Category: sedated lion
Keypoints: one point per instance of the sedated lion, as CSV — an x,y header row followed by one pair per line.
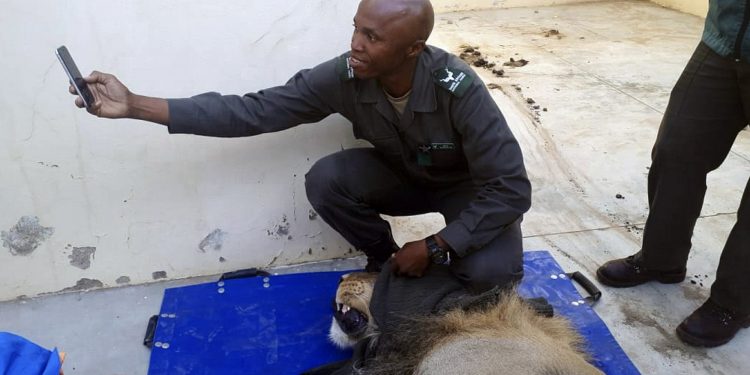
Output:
x,y
505,337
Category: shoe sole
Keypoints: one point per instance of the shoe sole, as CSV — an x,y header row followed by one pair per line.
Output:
x,y
698,341
702,342
664,279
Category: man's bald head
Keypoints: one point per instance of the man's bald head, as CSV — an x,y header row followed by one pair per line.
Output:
x,y
416,17
388,38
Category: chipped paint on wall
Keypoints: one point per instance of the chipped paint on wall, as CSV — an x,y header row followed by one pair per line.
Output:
x,y
84,284
81,257
280,230
24,237
123,280
159,275
214,241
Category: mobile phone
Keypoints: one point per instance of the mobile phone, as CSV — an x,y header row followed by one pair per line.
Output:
x,y
76,79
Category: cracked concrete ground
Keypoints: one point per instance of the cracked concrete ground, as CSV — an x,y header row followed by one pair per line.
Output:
x,y
603,72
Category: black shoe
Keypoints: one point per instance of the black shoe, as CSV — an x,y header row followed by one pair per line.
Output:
x,y
711,325
627,272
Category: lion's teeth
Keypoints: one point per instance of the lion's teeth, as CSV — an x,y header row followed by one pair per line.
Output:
x,y
345,309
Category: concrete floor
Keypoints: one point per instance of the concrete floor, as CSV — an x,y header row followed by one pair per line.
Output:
x,y
604,79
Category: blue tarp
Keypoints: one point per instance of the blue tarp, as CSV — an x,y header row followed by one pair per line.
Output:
x,y
279,324
19,356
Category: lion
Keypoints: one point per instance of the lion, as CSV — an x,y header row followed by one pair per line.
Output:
x,y
505,337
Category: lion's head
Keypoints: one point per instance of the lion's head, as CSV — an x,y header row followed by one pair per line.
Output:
x,y
352,320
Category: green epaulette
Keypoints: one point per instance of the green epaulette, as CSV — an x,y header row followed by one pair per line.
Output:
x,y
453,80
344,70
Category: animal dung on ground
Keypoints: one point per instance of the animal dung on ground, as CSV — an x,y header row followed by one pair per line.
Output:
x,y
552,33
516,63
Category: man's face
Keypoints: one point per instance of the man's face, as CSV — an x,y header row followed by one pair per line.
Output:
x,y
380,42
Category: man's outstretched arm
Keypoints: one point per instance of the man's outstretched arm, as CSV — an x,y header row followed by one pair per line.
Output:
x,y
113,100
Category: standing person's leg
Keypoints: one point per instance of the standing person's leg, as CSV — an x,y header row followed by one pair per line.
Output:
x,y
350,188
699,126
702,120
728,309
499,262
732,286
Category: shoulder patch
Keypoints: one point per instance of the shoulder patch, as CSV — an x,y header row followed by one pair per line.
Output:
x,y
343,68
453,80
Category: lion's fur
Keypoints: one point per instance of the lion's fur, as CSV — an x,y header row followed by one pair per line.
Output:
x,y
507,337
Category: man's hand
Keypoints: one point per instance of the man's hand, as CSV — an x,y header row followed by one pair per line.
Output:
x,y
412,260
111,98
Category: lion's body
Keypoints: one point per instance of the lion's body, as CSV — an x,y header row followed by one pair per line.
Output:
x,y
505,338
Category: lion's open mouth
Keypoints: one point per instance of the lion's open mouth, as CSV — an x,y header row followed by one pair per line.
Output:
x,y
352,321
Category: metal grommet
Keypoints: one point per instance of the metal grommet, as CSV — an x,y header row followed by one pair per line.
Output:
x,y
266,279
172,315
266,285
221,290
158,344
165,315
220,283
553,277
165,345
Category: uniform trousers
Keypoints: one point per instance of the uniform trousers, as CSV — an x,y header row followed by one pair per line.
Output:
x,y
351,188
708,107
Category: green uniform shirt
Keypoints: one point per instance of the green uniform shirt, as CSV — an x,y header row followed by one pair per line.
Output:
x,y
450,132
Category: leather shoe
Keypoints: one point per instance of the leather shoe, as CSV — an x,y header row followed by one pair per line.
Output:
x,y
711,325
627,272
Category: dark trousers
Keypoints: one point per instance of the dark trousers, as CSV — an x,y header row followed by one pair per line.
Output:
x,y
351,188
708,107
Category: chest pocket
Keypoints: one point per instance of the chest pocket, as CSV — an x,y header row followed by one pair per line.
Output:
x,y
385,140
439,155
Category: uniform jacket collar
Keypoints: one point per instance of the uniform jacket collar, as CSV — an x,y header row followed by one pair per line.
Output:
x,y
422,97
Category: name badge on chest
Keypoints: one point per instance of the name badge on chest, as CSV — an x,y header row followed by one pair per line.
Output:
x,y
424,152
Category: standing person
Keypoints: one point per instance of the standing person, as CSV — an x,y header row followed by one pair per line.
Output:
x,y
709,106
440,144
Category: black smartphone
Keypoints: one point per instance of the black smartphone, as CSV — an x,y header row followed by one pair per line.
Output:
x,y
76,79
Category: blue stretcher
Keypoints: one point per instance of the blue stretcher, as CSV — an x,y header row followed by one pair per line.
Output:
x,y
279,324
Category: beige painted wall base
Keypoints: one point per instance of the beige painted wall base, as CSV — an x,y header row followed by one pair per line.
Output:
x,y
456,5
696,7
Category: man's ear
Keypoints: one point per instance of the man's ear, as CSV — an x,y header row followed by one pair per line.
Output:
x,y
416,48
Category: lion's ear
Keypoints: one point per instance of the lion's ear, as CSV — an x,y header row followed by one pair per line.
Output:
x,y
344,277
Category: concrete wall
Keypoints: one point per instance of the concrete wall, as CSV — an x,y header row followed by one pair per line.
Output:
x,y
86,202
696,7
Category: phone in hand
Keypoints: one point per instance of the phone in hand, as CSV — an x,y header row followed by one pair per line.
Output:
x,y
76,79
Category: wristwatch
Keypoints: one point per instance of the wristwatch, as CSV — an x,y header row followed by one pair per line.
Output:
x,y
437,254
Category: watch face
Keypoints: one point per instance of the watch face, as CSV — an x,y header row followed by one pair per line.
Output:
x,y
439,256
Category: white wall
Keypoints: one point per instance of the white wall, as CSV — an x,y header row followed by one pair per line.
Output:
x,y
144,199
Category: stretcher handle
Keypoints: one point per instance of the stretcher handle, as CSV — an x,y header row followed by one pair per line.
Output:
x,y
241,274
594,293
148,340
